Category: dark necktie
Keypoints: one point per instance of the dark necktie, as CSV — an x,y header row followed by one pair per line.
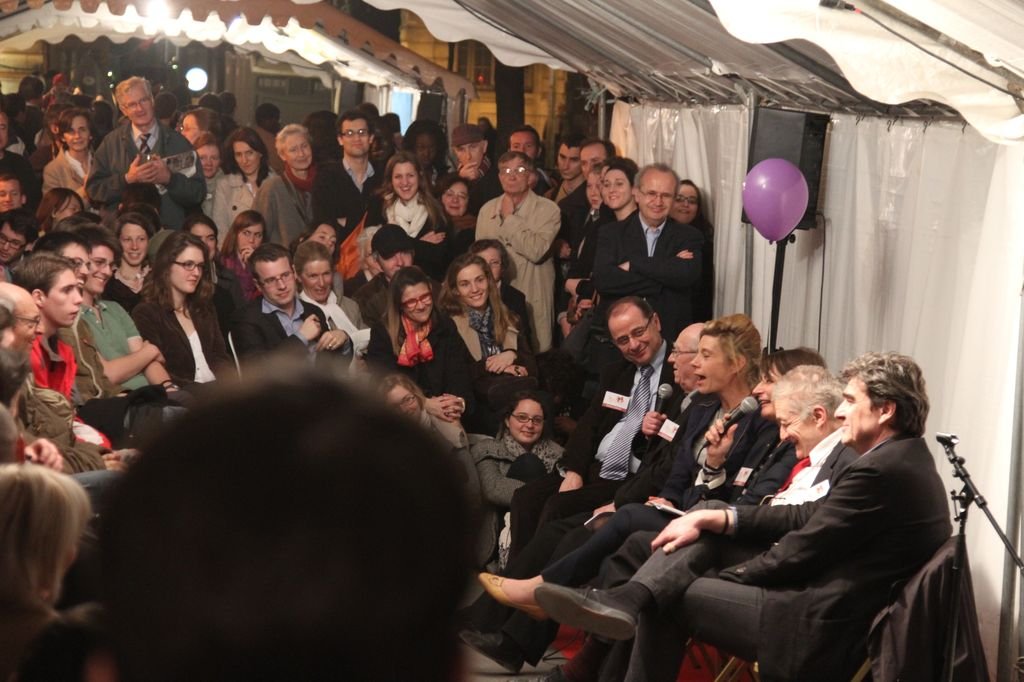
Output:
x,y
144,148
616,461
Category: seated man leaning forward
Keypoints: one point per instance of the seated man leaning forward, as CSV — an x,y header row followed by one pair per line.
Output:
x,y
279,318
797,585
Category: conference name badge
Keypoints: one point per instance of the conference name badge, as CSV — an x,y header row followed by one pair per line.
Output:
x,y
668,430
742,475
614,401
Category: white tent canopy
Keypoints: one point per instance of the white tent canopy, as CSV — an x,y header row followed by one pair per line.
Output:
x,y
921,249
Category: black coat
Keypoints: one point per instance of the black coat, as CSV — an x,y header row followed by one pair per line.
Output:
x,y
836,559
662,279
258,333
450,371
335,196
432,259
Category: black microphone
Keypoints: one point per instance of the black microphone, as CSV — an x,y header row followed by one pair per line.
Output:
x,y
665,392
748,405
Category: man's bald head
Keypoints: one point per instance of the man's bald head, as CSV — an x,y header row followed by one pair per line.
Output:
x,y
683,351
26,315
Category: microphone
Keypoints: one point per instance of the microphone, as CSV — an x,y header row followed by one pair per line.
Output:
x,y
665,392
748,405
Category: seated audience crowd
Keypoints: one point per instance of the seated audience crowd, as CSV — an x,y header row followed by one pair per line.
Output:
x,y
565,410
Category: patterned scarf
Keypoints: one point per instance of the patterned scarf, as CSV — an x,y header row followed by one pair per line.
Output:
x,y
483,324
302,184
415,349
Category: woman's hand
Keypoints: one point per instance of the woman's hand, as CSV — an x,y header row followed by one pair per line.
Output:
x,y
332,340
719,444
516,371
433,237
499,363
446,407
244,253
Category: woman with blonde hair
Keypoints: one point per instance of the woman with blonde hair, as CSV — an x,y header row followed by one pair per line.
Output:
x,y
44,514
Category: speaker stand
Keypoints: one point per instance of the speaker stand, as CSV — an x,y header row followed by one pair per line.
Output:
x,y
780,266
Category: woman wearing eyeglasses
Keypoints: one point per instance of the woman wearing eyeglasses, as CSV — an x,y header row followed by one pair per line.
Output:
x,y
177,311
688,208
421,343
244,236
405,200
521,452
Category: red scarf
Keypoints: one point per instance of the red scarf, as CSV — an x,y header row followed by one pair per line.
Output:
x,y
301,184
416,349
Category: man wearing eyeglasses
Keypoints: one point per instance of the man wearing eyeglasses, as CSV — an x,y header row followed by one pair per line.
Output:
x,y
18,229
136,153
600,454
526,224
278,319
649,254
341,193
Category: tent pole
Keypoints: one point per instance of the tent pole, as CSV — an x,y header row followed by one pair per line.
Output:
x,y
748,252
1010,630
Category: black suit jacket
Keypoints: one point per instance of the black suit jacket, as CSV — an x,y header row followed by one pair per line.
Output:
x,y
662,279
836,558
258,332
335,196
598,420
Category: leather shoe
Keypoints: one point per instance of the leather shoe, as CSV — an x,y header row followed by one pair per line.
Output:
x,y
494,646
587,609
492,584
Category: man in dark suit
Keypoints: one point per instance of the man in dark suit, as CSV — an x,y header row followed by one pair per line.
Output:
x,y
342,191
598,456
797,585
650,255
279,320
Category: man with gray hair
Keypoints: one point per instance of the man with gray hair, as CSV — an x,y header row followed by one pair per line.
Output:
x,y
805,401
650,255
798,585
146,152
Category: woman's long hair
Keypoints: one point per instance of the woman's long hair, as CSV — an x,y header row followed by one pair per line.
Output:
x,y
435,212
158,285
403,279
503,318
242,220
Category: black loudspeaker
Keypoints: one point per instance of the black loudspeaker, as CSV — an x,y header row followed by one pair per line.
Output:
x,y
797,137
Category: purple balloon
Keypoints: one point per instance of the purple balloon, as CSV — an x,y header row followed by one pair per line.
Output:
x,y
775,198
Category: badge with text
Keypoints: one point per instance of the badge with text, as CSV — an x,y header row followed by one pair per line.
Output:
x,y
615,401
819,491
668,430
742,475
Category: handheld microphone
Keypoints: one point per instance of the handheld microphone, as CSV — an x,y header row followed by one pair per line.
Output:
x,y
748,405
665,392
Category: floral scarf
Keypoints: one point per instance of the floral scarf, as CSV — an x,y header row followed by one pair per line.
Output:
x,y
416,348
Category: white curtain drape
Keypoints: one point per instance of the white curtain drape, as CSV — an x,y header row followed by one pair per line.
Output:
x,y
921,253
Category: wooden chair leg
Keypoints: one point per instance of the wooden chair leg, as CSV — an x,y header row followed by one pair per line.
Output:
x,y
864,671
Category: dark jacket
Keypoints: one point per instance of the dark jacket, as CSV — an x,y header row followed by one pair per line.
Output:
x,y
160,327
751,428
835,559
598,420
335,196
449,372
515,301
483,189
433,259
664,280
258,333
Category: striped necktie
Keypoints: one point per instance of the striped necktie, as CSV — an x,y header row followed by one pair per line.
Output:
x,y
144,148
615,466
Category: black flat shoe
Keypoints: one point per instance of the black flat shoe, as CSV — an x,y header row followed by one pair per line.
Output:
x,y
494,646
587,609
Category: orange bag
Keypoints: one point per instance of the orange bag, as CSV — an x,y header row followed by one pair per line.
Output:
x,y
348,254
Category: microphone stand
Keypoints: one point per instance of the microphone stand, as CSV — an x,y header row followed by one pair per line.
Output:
x,y
962,501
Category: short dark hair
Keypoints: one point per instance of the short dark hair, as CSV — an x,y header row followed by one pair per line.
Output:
x,y
609,148
55,242
140,193
100,236
267,253
895,378
140,218
626,166
266,112
526,129
40,271
353,115
11,177
306,590
634,301
22,222
571,140
199,219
